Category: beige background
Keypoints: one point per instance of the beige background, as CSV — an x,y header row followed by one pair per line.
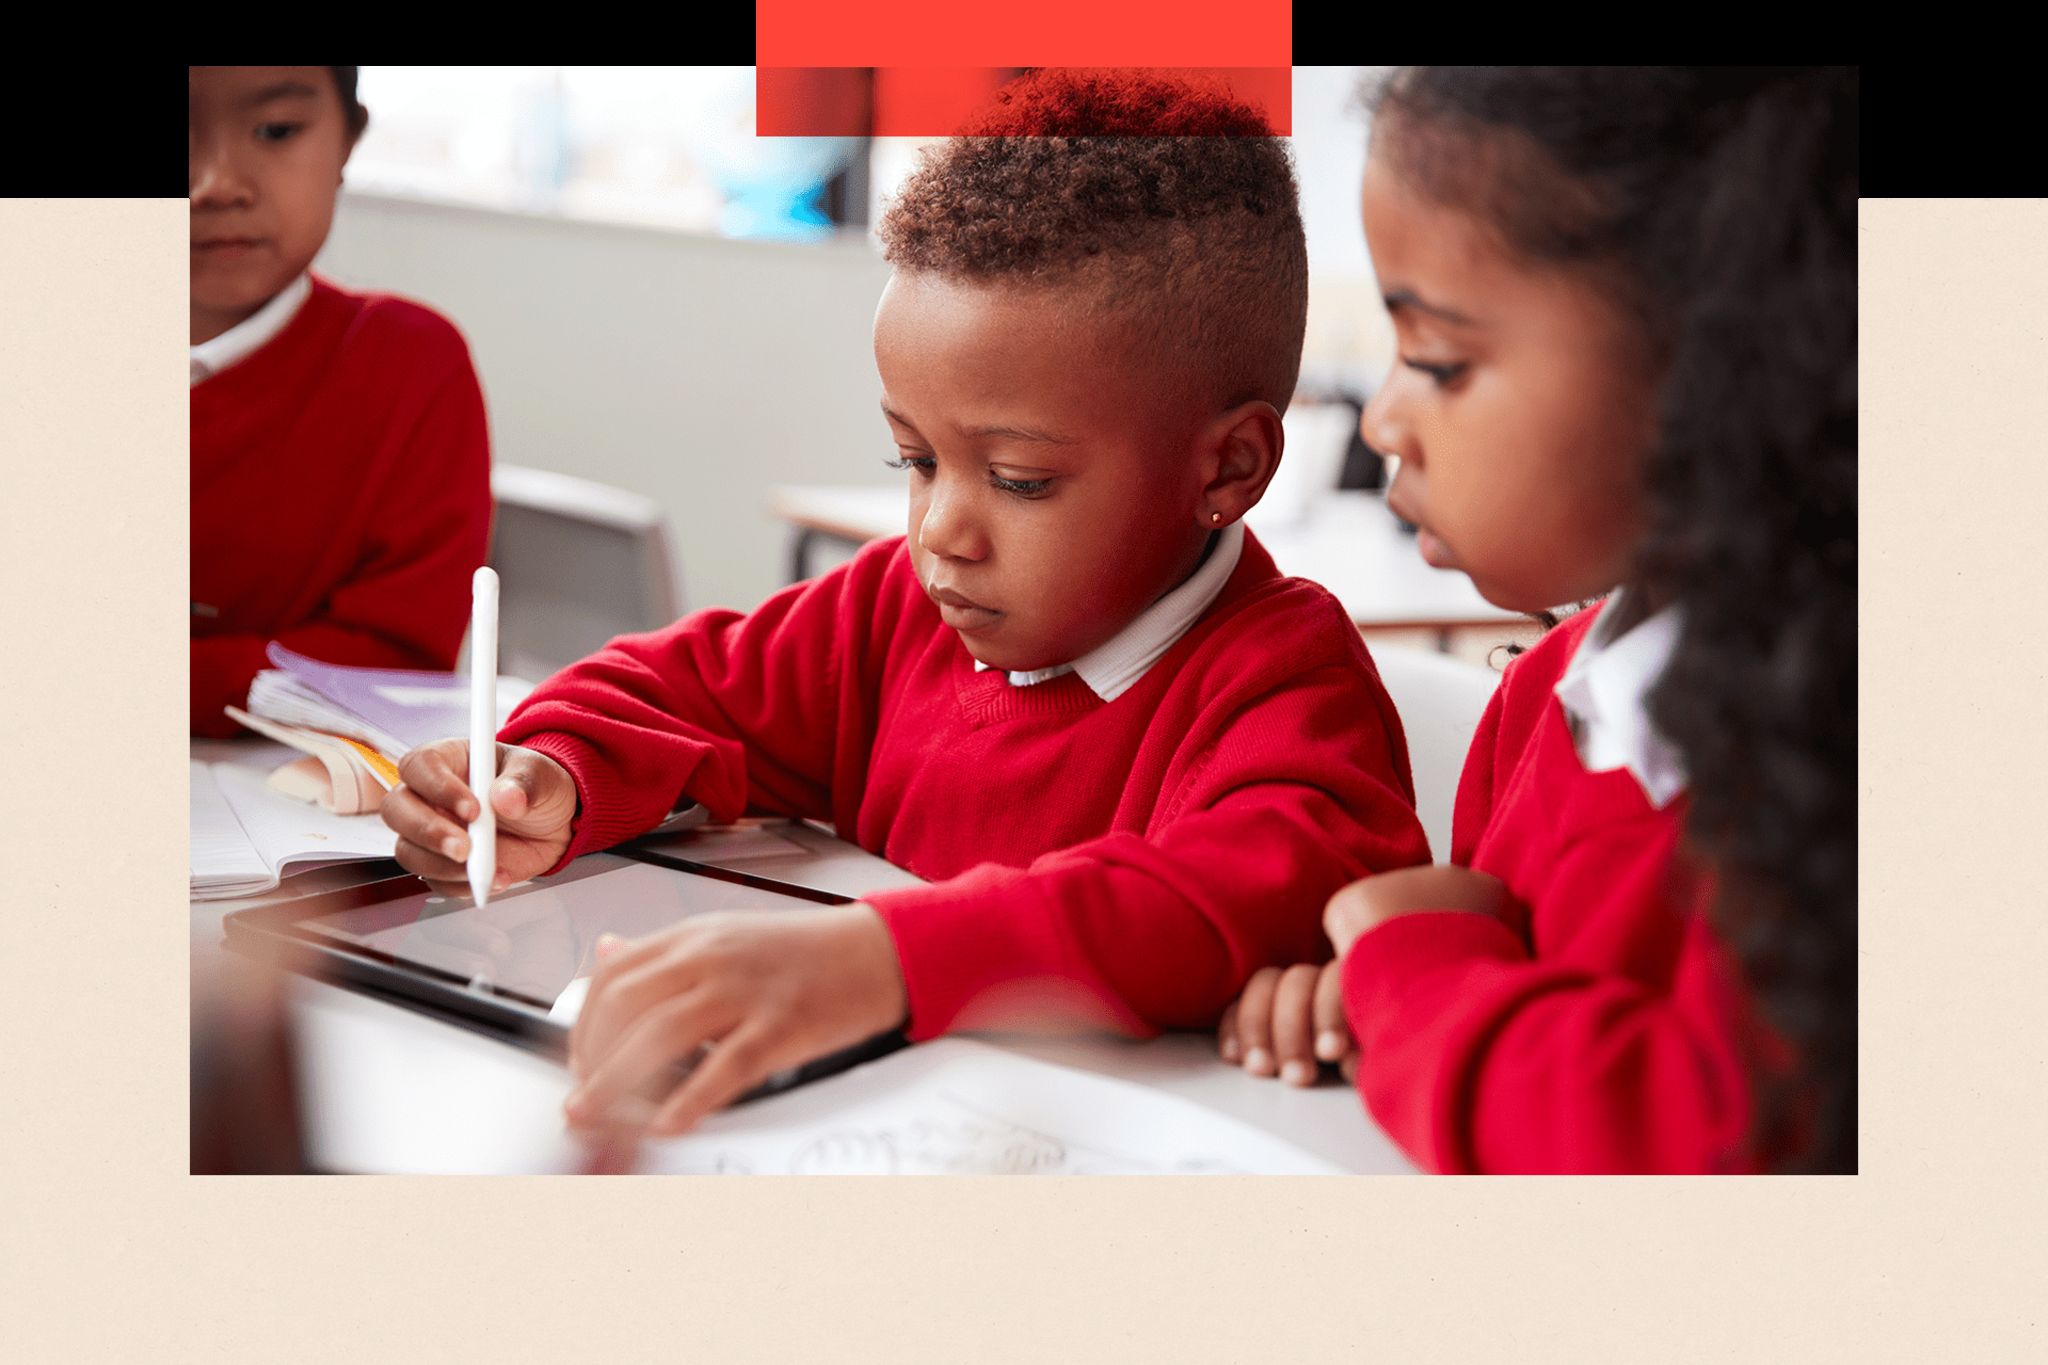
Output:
x,y
109,1251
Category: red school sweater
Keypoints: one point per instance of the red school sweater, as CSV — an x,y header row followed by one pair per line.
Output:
x,y
1135,860
1601,1032
341,497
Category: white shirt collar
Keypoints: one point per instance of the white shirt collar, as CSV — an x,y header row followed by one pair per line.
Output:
x,y
246,337
1114,665
1604,688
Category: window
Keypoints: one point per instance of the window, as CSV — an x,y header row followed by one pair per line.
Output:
x,y
665,146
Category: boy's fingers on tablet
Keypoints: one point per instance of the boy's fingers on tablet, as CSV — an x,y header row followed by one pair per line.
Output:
x,y
623,993
734,1065
1255,1021
439,773
617,997
610,955
1333,1032
671,1032
1294,1024
1226,1035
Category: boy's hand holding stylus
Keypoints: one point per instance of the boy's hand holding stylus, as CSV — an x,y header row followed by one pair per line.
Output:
x,y
534,799
768,992
1290,1018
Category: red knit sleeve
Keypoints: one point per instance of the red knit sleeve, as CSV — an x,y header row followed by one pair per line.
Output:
x,y
1300,790
1474,1057
736,712
1477,1055
407,604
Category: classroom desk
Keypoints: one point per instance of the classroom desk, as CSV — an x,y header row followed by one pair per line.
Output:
x,y
389,1089
1349,542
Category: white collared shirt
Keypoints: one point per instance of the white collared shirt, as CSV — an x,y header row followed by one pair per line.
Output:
x,y
1114,665
1604,688
246,337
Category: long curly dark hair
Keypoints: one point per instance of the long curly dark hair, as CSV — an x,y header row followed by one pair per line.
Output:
x,y
1718,205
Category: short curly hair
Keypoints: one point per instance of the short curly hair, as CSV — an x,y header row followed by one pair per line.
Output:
x,y
1172,203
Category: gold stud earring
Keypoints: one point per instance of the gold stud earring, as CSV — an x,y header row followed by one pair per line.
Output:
x,y
1215,517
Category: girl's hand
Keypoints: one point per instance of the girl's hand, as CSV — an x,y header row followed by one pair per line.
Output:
x,y
765,992
534,799
1372,902
1287,1020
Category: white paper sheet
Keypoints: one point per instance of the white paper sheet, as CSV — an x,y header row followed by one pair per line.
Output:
x,y
385,1093
959,1107
245,836
221,852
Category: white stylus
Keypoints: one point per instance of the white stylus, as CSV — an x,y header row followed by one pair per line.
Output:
x,y
483,730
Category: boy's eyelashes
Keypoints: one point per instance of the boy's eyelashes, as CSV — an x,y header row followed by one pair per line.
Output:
x,y
927,465
277,132
1024,488
1443,374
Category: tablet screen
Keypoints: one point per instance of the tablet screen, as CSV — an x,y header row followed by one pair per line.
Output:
x,y
533,942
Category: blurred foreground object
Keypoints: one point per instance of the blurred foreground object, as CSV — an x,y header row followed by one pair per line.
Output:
x,y
245,1095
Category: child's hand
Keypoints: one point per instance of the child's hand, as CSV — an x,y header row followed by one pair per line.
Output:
x,y
1372,902
534,798
1287,1020
767,992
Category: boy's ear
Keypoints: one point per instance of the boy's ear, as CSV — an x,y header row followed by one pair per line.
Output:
x,y
1245,445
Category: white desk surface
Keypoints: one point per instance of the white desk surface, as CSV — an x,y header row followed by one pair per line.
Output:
x,y
391,1089
1349,542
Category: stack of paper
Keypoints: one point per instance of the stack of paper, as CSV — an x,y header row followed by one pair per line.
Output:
x,y
356,723
246,837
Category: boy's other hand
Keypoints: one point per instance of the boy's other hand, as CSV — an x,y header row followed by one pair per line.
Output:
x,y
1287,1021
534,798
764,991
1369,903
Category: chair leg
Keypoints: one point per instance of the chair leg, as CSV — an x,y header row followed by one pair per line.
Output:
x,y
800,553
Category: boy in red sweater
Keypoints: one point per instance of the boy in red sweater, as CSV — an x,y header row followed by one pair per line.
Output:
x,y
340,473
1129,756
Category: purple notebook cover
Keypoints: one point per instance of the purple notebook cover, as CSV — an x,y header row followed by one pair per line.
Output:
x,y
357,690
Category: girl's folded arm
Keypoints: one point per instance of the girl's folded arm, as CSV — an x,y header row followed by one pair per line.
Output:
x,y
1476,1058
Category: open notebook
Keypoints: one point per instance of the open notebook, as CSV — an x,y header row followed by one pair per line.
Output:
x,y
246,837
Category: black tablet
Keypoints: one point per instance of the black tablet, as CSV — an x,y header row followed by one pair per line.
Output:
x,y
514,968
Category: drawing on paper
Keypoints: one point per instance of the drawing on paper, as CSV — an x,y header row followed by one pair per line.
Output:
x,y
968,1141
962,1107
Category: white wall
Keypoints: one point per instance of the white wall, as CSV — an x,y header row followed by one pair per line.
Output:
x,y
701,370
697,370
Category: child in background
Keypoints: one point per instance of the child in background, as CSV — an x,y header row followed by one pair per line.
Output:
x,y
1130,757
1625,301
340,473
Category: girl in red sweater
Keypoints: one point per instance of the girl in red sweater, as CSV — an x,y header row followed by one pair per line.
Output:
x,y
340,474
1129,757
1626,312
